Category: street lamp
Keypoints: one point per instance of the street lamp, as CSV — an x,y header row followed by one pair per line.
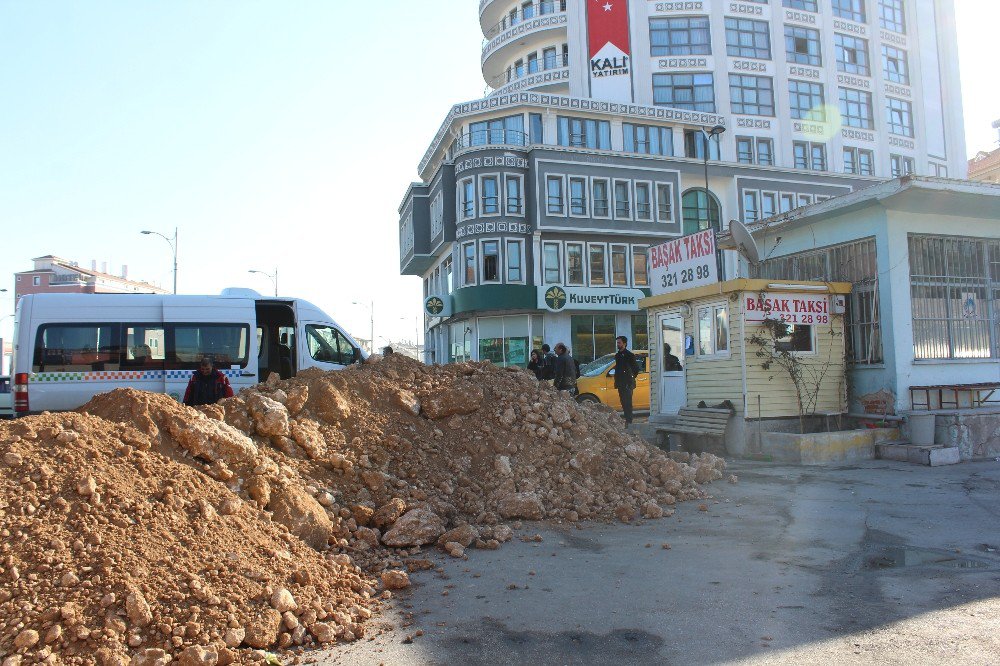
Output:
x,y
173,247
371,313
273,278
714,132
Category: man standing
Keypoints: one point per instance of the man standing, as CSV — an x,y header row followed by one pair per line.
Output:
x,y
626,370
207,386
548,364
565,370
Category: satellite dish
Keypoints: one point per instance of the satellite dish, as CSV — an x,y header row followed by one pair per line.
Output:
x,y
745,244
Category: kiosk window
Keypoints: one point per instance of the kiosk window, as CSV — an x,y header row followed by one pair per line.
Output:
x,y
796,338
328,345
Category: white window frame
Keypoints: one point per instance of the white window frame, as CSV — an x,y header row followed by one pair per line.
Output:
x,y
559,258
481,260
584,260
650,200
813,342
36,281
713,308
614,198
507,242
590,271
670,198
520,181
755,194
482,194
586,196
775,198
633,250
565,207
461,201
437,215
610,201
790,198
627,250
475,263
804,200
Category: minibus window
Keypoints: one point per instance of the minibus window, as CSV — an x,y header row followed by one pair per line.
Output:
x,y
77,348
328,345
145,346
226,344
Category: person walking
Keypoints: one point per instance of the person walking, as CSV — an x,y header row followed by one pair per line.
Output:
x,y
207,386
536,364
626,370
548,364
565,370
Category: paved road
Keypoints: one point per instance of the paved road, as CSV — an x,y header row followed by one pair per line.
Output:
x,y
792,565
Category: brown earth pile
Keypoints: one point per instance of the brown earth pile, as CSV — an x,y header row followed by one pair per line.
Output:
x,y
242,525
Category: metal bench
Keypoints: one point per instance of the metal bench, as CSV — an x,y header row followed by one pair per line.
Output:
x,y
696,421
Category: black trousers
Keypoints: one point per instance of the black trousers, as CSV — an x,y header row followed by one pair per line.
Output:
x,y
625,394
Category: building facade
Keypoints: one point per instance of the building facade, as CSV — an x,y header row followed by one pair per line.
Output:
x,y
52,274
614,126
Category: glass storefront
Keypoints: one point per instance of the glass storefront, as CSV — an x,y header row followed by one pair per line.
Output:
x,y
593,336
640,332
504,341
460,340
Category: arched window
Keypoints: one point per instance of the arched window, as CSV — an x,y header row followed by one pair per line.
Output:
x,y
701,211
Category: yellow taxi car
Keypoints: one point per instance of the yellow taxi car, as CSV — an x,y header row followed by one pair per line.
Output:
x,y
597,382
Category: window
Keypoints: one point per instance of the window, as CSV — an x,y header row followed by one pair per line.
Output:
x,y
515,194
619,265
852,55
787,202
498,131
802,46
406,235
643,202
694,145
504,340
575,271
700,210
536,128
77,348
685,91
640,337
555,197
515,261
584,133
859,161
36,281
890,15
751,95
437,215
598,264
449,279
894,65
469,264
623,204
713,331
805,199
602,204
491,261
899,116
768,204
593,336
328,345
939,170
856,108
550,263
795,338
664,202
850,9
807,5
489,189
809,155
640,265
647,140
680,36
806,100
754,150
751,206
744,150
900,166
765,152
467,199
748,39
550,58
533,63
144,346
578,197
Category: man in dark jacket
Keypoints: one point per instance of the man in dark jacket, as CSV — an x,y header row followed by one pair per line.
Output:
x,y
626,370
207,386
548,364
565,370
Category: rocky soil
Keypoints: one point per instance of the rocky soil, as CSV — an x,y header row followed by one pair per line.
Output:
x,y
140,531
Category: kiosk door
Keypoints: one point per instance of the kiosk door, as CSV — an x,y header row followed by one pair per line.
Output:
x,y
673,391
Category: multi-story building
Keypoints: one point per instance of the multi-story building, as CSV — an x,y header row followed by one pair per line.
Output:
x,y
61,276
614,125
985,166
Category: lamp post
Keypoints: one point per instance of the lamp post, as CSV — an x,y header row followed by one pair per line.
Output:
x,y
173,248
371,314
714,132
273,278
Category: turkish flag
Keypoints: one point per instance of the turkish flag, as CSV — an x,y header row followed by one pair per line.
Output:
x,y
607,23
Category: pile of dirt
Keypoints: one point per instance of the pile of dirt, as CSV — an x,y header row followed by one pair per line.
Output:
x,y
258,522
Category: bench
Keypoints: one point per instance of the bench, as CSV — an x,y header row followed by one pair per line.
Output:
x,y
696,421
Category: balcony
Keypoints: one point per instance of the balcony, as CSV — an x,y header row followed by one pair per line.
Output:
x,y
65,279
521,32
553,71
491,138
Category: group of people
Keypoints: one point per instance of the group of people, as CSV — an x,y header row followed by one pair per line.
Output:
x,y
562,370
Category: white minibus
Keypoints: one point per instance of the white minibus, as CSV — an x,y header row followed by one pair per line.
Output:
x,y
71,347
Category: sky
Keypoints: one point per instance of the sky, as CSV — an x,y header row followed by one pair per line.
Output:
x,y
271,134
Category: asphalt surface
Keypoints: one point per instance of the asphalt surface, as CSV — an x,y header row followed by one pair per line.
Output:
x,y
877,562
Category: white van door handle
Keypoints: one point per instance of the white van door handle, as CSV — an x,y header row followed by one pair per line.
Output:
x,y
247,374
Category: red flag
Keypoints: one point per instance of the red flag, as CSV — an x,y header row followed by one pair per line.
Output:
x,y
607,22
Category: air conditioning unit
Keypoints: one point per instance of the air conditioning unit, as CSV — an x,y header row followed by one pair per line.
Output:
x,y
838,304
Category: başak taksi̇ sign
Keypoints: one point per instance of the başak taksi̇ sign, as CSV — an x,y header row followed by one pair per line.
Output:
x,y
610,50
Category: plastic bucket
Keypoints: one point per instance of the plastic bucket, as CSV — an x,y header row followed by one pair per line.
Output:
x,y
922,429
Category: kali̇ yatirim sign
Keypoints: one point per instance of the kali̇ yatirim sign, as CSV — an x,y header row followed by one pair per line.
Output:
x,y
610,50
801,309
684,263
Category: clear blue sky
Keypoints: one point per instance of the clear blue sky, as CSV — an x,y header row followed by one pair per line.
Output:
x,y
274,134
